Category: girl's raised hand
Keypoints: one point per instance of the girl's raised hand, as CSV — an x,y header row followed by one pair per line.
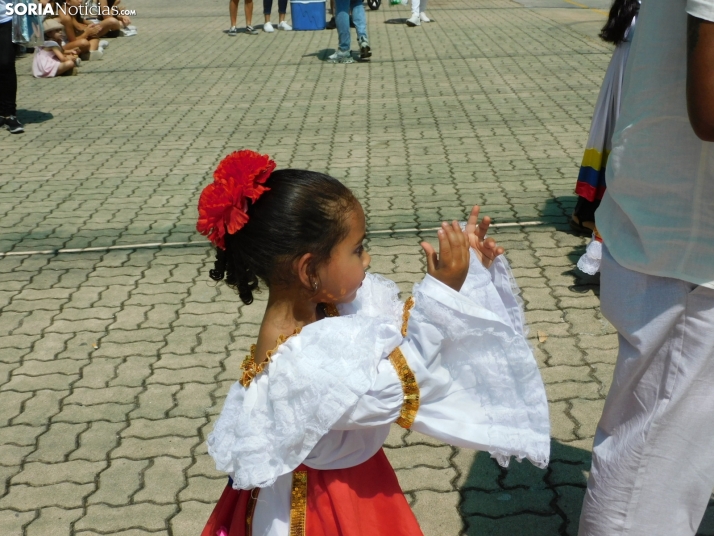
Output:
x,y
486,248
451,265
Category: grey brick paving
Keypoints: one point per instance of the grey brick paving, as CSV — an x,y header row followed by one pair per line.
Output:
x,y
114,364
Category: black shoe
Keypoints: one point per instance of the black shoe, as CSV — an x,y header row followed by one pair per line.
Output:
x,y
13,125
250,30
331,24
364,50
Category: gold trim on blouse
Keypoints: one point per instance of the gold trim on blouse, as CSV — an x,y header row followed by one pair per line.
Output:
x,y
410,388
408,305
298,503
251,369
250,511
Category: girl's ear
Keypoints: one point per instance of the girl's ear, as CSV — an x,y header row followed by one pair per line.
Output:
x,y
306,273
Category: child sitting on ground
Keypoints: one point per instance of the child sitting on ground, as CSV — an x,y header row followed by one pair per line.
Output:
x,y
339,357
51,59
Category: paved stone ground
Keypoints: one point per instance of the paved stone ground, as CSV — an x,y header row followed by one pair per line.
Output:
x,y
113,364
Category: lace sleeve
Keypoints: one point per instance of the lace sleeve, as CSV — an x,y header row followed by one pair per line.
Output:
x,y
479,382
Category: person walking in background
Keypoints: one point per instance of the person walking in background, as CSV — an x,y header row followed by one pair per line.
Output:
x,y
8,75
282,10
342,19
590,187
653,463
418,13
233,10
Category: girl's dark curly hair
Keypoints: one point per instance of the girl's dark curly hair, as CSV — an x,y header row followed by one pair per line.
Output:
x,y
303,212
621,14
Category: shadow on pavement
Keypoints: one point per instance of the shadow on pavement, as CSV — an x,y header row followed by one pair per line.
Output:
x,y
33,116
559,209
523,499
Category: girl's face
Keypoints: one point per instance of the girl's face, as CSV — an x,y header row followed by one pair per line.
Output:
x,y
54,35
342,275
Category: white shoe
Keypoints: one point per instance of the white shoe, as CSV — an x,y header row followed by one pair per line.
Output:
x,y
285,26
103,44
414,20
268,28
423,17
95,55
341,57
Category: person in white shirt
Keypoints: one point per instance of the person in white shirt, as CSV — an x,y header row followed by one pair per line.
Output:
x,y
653,462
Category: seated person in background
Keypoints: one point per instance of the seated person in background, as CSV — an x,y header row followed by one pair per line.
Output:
x,y
50,59
80,34
106,6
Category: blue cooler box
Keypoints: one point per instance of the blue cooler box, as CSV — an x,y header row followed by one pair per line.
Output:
x,y
308,14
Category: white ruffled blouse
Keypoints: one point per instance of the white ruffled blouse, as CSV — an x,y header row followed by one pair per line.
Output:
x,y
329,395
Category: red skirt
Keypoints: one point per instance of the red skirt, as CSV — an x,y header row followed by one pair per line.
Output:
x,y
364,500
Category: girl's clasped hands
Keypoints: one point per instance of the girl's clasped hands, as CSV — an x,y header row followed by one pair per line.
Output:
x,y
451,264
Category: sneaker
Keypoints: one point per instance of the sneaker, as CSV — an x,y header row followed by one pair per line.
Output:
x,y
77,62
331,24
13,125
341,57
233,31
268,28
285,26
364,50
103,44
414,20
423,17
250,30
95,55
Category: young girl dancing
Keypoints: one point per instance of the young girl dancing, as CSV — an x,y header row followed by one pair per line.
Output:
x,y
339,358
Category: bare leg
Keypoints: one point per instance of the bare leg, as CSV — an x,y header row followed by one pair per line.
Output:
x,y
80,45
248,5
281,17
65,66
233,8
107,25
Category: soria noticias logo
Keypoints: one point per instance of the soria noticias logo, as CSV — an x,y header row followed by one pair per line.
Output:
x,y
53,10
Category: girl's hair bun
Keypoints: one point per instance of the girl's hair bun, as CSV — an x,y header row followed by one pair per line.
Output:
x,y
300,212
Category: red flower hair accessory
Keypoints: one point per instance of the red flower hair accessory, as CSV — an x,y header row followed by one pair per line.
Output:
x,y
223,205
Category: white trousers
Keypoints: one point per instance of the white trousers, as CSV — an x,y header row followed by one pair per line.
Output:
x,y
653,455
418,6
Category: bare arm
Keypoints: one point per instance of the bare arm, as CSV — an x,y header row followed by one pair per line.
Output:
x,y
59,54
68,23
700,76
